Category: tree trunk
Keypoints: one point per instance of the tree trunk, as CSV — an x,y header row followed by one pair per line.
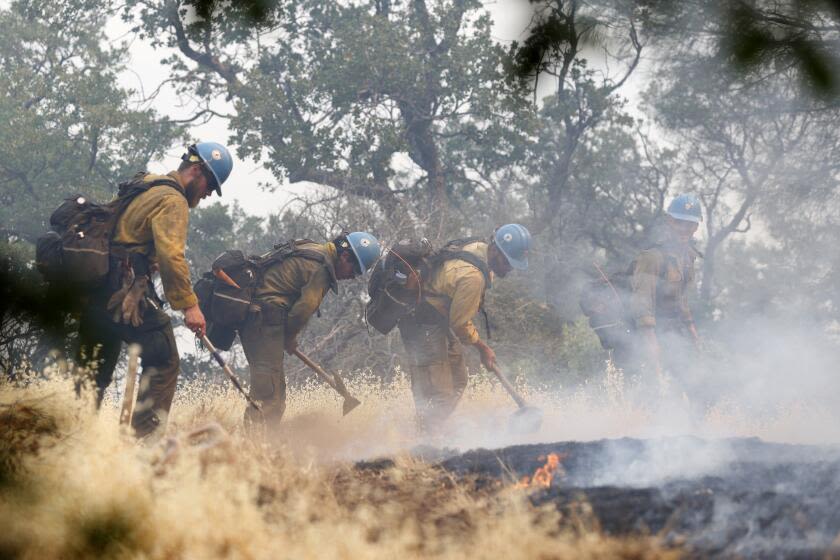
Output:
x,y
708,279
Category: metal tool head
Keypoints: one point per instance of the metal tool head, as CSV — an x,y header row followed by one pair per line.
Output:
x,y
349,404
526,420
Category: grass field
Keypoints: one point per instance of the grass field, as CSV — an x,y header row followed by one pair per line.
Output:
x,y
73,486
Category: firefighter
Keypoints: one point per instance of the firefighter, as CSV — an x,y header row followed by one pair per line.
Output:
x,y
150,236
289,293
662,279
435,332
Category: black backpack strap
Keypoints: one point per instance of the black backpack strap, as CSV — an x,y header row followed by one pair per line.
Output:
x,y
130,190
322,260
137,185
469,258
127,192
169,183
283,251
460,243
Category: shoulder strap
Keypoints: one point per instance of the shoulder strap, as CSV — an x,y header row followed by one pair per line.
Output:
x,y
137,185
129,190
169,183
322,260
448,255
283,251
461,242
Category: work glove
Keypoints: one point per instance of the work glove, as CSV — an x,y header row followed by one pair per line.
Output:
x,y
134,304
488,356
114,305
291,345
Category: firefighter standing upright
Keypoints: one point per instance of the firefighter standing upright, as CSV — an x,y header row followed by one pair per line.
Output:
x,y
151,234
433,334
662,278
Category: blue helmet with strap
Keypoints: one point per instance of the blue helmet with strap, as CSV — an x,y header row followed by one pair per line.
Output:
x,y
514,241
686,207
216,158
365,247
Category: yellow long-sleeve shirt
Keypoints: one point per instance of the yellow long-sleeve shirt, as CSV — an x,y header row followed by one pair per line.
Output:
x,y
456,289
662,279
155,224
299,284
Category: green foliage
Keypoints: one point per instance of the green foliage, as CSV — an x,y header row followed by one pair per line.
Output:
x,y
753,151
555,37
755,39
33,319
217,227
592,182
343,95
417,121
580,352
531,336
65,124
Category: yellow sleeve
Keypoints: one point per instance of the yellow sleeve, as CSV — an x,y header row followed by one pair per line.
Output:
x,y
466,300
169,223
311,295
643,285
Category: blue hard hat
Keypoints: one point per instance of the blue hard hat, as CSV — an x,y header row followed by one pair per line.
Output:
x,y
218,160
514,240
366,248
686,207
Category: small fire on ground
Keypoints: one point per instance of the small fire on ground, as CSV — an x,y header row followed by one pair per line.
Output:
x,y
543,476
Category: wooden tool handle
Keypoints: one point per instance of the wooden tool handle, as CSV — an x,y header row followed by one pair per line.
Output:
x,y
130,383
520,402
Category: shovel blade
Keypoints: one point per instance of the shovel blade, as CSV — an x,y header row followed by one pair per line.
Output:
x,y
526,420
349,404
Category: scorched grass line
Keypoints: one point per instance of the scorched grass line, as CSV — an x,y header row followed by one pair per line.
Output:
x,y
100,495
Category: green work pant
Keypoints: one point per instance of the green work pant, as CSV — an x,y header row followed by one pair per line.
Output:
x,y
263,339
100,340
437,368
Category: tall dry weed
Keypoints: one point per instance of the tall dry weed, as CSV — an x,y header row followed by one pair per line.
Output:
x,y
84,489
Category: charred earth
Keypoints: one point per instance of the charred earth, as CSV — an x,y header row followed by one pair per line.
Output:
x,y
730,498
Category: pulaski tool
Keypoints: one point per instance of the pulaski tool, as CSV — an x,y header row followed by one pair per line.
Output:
x,y
334,381
527,419
130,383
229,372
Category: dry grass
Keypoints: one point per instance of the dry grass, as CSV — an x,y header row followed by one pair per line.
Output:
x,y
73,486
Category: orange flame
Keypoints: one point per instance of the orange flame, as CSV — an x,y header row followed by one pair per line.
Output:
x,y
545,474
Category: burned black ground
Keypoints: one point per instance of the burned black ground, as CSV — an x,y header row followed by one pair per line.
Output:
x,y
731,498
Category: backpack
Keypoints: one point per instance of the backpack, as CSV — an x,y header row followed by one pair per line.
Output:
x,y
226,293
396,284
78,248
606,302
